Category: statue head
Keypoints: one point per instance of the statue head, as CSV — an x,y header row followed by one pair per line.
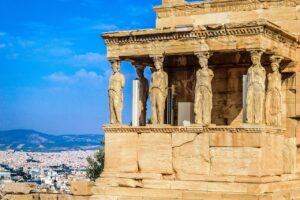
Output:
x,y
275,67
275,63
115,64
203,59
158,63
256,57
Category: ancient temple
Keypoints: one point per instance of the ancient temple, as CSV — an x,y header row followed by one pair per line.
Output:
x,y
225,101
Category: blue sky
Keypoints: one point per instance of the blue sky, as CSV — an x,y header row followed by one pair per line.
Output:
x,y
54,73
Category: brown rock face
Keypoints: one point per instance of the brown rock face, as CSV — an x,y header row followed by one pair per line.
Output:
x,y
121,152
155,153
18,188
191,150
82,188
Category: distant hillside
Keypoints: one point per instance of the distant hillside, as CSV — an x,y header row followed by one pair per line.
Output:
x,y
30,140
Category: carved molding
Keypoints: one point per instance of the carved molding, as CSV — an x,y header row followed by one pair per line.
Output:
x,y
199,8
263,27
191,129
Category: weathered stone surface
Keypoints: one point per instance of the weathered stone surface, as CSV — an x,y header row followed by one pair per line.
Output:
x,y
49,196
137,176
196,177
298,160
272,154
283,15
18,188
115,93
20,197
256,94
155,153
235,161
158,91
115,182
81,197
121,152
297,101
231,160
191,157
138,192
234,140
203,90
289,156
298,135
82,188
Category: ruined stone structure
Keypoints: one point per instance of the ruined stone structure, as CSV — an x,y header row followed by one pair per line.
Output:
x,y
238,63
29,191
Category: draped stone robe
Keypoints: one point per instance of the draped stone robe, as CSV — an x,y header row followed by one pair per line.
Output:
x,y
256,95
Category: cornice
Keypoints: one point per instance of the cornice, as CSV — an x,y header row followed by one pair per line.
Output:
x,y
208,31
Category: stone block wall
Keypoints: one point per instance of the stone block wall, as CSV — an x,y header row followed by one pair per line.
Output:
x,y
44,197
81,190
199,163
208,153
285,13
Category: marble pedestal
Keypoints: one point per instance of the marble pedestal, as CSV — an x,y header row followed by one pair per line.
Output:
x,y
165,162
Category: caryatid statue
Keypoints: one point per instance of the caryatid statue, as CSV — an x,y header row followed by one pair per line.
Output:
x,y
273,99
115,93
158,91
143,93
203,91
256,87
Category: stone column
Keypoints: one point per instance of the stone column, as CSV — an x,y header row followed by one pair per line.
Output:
x,y
256,86
115,93
143,93
203,91
158,90
274,97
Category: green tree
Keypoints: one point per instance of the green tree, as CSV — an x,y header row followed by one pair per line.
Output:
x,y
95,165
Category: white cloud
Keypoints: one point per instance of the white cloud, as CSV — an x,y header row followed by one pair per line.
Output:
x,y
60,51
2,46
59,77
81,75
89,59
105,27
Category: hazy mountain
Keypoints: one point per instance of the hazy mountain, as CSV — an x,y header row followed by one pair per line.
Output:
x,y
30,140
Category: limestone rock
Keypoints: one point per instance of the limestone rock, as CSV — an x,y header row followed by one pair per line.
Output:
x,y
121,152
158,91
115,93
20,197
234,140
18,188
235,161
118,182
289,155
191,157
137,176
82,188
49,196
155,153
272,154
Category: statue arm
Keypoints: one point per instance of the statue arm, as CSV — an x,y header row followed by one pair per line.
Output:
x,y
151,83
211,73
264,78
